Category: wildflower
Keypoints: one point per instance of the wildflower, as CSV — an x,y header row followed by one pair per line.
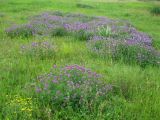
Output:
x,y
82,86
55,66
54,81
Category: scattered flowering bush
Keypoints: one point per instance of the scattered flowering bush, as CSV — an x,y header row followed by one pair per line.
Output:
x,y
136,54
74,86
21,30
54,24
114,38
59,24
41,50
122,50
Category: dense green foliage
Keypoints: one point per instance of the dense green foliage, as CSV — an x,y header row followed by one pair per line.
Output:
x,y
155,11
136,89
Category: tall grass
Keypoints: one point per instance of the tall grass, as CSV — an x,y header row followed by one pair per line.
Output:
x,y
136,89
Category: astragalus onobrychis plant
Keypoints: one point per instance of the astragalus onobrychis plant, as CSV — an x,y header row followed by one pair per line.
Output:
x,y
42,50
72,86
133,47
116,39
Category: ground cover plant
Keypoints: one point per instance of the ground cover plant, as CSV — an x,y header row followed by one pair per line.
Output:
x,y
40,50
107,37
79,60
74,86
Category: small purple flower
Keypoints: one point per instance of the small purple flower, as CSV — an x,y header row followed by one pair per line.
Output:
x,y
55,66
55,81
68,75
38,90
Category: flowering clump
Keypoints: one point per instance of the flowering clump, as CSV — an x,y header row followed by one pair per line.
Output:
x,y
122,50
124,43
41,50
59,24
106,36
74,86
20,30
18,107
56,24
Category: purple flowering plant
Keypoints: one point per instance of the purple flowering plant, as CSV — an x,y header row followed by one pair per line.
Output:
x,y
116,39
124,51
20,30
42,49
72,85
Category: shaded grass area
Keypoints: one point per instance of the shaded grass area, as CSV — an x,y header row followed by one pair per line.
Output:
x,y
140,87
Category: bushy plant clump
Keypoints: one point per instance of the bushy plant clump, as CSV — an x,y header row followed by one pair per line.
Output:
x,y
79,5
51,24
155,10
136,54
20,31
82,35
73,86
114,38
60,24
60,31
127,52
40,50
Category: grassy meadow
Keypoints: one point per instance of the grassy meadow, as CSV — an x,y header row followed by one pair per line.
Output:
x,y
137,95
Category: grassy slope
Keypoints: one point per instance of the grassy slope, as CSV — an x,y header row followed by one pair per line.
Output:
x,y
16,70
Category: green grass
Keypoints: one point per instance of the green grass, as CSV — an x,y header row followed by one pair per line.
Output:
x,y
141,86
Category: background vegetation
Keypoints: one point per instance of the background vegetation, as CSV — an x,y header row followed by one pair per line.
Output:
x,y
139,96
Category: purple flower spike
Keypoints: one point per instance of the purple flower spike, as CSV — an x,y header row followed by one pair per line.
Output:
x,y
54,81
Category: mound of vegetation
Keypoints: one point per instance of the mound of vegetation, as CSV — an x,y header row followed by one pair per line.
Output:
x,y
77,88
155,10
116,39
79,5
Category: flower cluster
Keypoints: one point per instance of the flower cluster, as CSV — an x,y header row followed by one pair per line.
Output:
x,y
20,30
104,35
72,85
48,22
123,50
42,50
101,27
76,26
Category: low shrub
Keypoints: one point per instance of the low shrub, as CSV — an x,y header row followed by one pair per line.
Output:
x,y
20,31
119,50
72,86
60,31
79,5
136,54
82,35
155,10
40,50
